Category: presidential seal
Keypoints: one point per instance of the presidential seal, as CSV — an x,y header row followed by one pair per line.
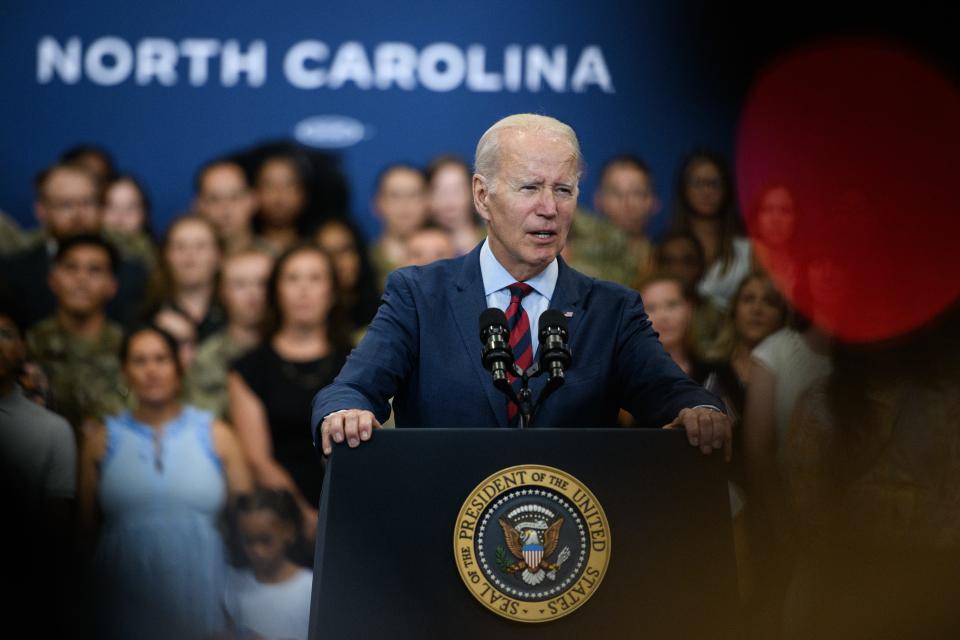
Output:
x,y
531,543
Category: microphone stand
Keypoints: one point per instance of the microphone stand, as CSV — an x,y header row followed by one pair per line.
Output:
x,y
524,399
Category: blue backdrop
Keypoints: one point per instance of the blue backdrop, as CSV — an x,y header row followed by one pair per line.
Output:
x,y
167,87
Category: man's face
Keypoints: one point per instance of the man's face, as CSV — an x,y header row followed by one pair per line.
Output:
x,y
226,200
244,287
82,280
12,349
626,197
530,207
402,202
68,204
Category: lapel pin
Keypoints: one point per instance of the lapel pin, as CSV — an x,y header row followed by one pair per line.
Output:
x,y
568,314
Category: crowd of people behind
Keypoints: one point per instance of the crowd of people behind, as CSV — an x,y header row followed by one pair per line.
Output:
x,y
159,385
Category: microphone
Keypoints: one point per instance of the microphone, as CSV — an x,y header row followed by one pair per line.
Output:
x,y
497,356
555,355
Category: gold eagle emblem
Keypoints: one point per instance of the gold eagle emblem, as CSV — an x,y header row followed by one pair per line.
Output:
x,y
532,548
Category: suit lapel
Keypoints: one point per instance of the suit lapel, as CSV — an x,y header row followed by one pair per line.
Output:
x,y
568,297
467,302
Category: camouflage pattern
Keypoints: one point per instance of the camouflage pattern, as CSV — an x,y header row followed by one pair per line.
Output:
x,y
206,383
382,266
706,326
13,239
85,380
598,248
137,246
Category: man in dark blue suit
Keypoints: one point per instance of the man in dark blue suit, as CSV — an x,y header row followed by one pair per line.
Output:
x,y
423,347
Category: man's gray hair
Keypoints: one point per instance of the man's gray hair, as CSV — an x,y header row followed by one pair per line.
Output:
x,y
488,149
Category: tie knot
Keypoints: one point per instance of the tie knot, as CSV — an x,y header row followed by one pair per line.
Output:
x,y
519,290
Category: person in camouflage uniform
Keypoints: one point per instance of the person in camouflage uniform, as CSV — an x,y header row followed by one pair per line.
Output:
x,y
598,248
614,245
14,239
77,346
243,292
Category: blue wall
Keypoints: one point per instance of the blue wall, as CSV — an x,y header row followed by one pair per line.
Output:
x,y
655,102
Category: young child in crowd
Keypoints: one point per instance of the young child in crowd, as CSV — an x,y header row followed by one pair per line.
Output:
x,y
269,597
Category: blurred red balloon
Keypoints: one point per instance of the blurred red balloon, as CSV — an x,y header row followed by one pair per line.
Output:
x,y
848,166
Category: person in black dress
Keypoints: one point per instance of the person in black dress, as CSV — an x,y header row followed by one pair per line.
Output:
x,y
272,387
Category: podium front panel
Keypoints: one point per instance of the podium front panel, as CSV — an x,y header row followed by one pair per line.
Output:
x,y
385,564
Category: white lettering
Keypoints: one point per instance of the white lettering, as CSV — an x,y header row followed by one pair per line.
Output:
x,y
95,61
478,78
312,64
157,58
351,64
591,69
541,67
234,62
64,61
512,66
199,51
295,64
395,63
448,78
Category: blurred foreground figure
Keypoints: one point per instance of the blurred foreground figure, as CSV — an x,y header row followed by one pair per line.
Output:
x,y
873,471
153,483
269,596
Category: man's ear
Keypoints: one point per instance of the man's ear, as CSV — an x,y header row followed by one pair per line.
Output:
x,y
481,193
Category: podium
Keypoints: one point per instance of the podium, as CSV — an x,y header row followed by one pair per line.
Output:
x,y
389,563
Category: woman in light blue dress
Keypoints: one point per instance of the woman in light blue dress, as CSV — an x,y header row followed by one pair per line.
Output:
x,y
153,483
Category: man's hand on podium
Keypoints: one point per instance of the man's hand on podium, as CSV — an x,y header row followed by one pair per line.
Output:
x,y
353,425
706,428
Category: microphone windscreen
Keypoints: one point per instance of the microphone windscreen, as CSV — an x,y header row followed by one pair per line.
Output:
x,y
492,317
551,318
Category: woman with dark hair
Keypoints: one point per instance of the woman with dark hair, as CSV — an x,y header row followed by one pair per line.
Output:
x,y
186,279
757,311
450,193
269,596
153,483
283,183
705,205
271,388
680,255
126,220
358,287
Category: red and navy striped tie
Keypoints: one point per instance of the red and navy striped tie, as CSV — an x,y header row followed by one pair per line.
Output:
x,y
520,341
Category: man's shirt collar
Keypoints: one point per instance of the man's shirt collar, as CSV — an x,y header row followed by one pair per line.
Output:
x,y
496,277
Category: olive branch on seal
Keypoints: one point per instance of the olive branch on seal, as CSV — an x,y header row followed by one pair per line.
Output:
x,y
501,559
